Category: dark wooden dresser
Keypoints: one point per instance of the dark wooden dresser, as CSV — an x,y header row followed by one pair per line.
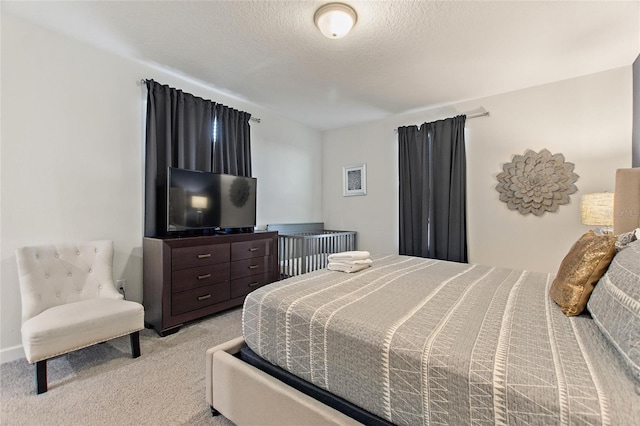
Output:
x,y
188,278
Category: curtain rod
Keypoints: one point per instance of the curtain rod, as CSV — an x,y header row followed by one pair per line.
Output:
x,y
143,82
470,116
478,114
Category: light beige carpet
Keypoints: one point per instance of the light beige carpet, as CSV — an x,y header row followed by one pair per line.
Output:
x,y
103,385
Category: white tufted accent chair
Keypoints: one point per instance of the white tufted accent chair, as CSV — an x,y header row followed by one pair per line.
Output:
x,y
69,302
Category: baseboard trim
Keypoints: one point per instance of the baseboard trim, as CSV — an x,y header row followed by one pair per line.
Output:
x,y
11,354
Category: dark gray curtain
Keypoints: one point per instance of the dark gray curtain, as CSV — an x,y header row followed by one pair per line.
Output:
x,y
233,145
432,168
179,133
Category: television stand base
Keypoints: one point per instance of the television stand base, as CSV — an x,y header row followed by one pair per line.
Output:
x,y
226,231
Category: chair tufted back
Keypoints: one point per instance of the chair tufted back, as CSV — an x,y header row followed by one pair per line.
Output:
x,y
53,275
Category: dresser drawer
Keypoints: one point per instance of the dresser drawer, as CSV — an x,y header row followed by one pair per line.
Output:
x,y
251,249
191,300
247,267
190,278
188,257
244,286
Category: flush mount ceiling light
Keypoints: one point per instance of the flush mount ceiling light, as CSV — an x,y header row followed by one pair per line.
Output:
x,y
335,20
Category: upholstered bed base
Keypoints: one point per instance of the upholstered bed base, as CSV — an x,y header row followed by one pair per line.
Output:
x,y
245,395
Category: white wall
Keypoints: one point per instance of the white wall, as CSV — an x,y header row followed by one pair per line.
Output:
x,y
72,156
586,119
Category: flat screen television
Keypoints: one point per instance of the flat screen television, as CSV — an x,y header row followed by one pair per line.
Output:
x,y
203,202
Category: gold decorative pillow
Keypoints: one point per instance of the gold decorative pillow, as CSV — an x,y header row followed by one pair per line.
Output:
x,y
580,270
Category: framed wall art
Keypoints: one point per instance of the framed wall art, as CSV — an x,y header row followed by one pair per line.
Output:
x,y
354,180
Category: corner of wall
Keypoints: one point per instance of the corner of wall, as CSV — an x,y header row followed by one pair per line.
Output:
x,y
635,144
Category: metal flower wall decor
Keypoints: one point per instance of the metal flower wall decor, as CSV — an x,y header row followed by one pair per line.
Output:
x,y
536,182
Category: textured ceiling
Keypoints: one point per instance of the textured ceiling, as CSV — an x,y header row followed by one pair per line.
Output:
x,y
400,56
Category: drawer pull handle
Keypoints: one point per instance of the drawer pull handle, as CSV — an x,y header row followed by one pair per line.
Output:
x,y
253,266
202,277
254,249
254,284
205,297
204,256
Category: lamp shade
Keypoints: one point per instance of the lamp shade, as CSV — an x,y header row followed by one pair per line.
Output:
x,y
199,202
335,20
597,209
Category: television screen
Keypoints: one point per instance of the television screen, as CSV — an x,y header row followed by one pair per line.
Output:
x,y
201,201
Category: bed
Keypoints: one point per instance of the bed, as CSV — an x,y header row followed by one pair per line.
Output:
x,y
305,247
420,341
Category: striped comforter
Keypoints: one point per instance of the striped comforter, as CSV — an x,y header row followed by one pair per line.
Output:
x,y
420,341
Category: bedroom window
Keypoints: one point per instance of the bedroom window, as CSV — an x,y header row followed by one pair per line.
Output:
x,y
177,125
433,190
215,130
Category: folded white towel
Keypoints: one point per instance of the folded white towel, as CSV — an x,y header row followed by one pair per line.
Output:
x,y
349,255
353,262
343,267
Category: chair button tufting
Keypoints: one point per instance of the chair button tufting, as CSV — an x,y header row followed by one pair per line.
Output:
x,y
57,255
90,270
69,274
57,294
46,276
78,253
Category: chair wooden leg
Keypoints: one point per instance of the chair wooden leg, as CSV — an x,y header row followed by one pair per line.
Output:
x,y
41,376
135,344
